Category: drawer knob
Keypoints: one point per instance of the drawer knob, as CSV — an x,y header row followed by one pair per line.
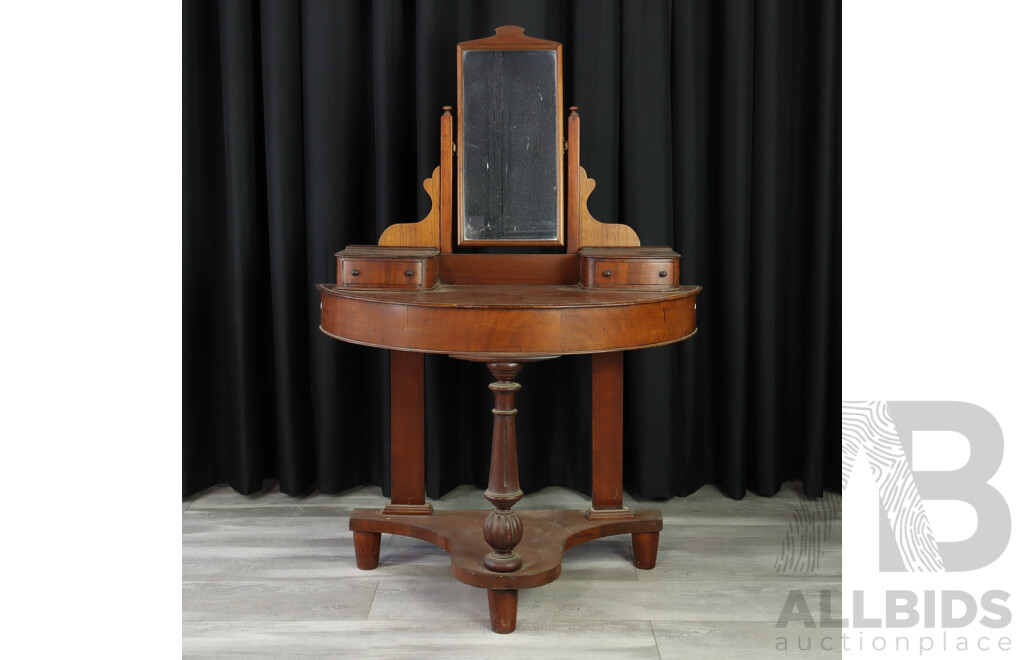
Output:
x,y
355,273
607,273
663,274
408,273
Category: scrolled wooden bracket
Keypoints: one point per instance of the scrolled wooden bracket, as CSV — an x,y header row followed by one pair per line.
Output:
x,y
583,229
594,233
435,230
426,232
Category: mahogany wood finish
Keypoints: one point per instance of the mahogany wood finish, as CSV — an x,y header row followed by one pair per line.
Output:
x,y
638,268
590,231
503,604
407,458
572,217
435,230
503,529
512,37
367,546
376,267
606,431
546,537
510,269
446,182
426,232
412,295
645,549
510,320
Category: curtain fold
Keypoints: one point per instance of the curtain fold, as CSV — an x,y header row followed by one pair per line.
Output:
x,y
712,127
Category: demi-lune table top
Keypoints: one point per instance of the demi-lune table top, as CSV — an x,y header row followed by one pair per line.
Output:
x,y
513,320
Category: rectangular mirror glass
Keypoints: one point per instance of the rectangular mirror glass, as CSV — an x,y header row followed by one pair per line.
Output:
x,y
510,148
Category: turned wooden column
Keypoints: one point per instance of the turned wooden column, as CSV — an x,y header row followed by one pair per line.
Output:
x,y
503,530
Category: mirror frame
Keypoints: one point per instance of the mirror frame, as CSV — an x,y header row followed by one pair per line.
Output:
x,y
512,37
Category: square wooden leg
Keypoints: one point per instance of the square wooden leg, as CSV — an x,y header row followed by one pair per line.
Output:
x,y
407,460
606,437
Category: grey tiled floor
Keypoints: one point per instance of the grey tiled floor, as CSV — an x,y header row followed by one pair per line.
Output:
x,y
275,576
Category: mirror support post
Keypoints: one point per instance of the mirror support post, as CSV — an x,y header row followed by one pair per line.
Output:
x,y
572,231
447,183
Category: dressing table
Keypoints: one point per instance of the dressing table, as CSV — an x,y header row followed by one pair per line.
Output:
x,y
510,177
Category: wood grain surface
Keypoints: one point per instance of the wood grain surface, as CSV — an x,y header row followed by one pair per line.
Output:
x,y
586,230
426,232
513,320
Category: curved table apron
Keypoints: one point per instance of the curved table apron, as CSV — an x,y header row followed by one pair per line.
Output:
x,y
504,550
509,321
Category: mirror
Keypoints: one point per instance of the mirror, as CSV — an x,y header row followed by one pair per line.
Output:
x,y
510,141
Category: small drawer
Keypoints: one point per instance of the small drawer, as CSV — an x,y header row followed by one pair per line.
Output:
x,y
387,268
367,272
636,268
633,273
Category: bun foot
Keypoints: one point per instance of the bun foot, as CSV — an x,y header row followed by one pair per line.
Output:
x,y
367,549
503,604
645,550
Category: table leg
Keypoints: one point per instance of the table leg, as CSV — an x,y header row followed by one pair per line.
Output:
x,y
407,412
503,604
493,560
502,529
606,437
367,549
645,549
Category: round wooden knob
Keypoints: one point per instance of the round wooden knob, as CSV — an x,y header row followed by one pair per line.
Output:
x,y
607,273
663,274
355,273
408,273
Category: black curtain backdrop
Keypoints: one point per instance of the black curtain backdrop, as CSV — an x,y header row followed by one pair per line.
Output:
x,y
710,126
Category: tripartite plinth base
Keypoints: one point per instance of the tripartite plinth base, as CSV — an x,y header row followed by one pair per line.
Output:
x,y
546,535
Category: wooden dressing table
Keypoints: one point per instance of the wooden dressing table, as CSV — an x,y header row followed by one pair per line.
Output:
x,y
413,293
